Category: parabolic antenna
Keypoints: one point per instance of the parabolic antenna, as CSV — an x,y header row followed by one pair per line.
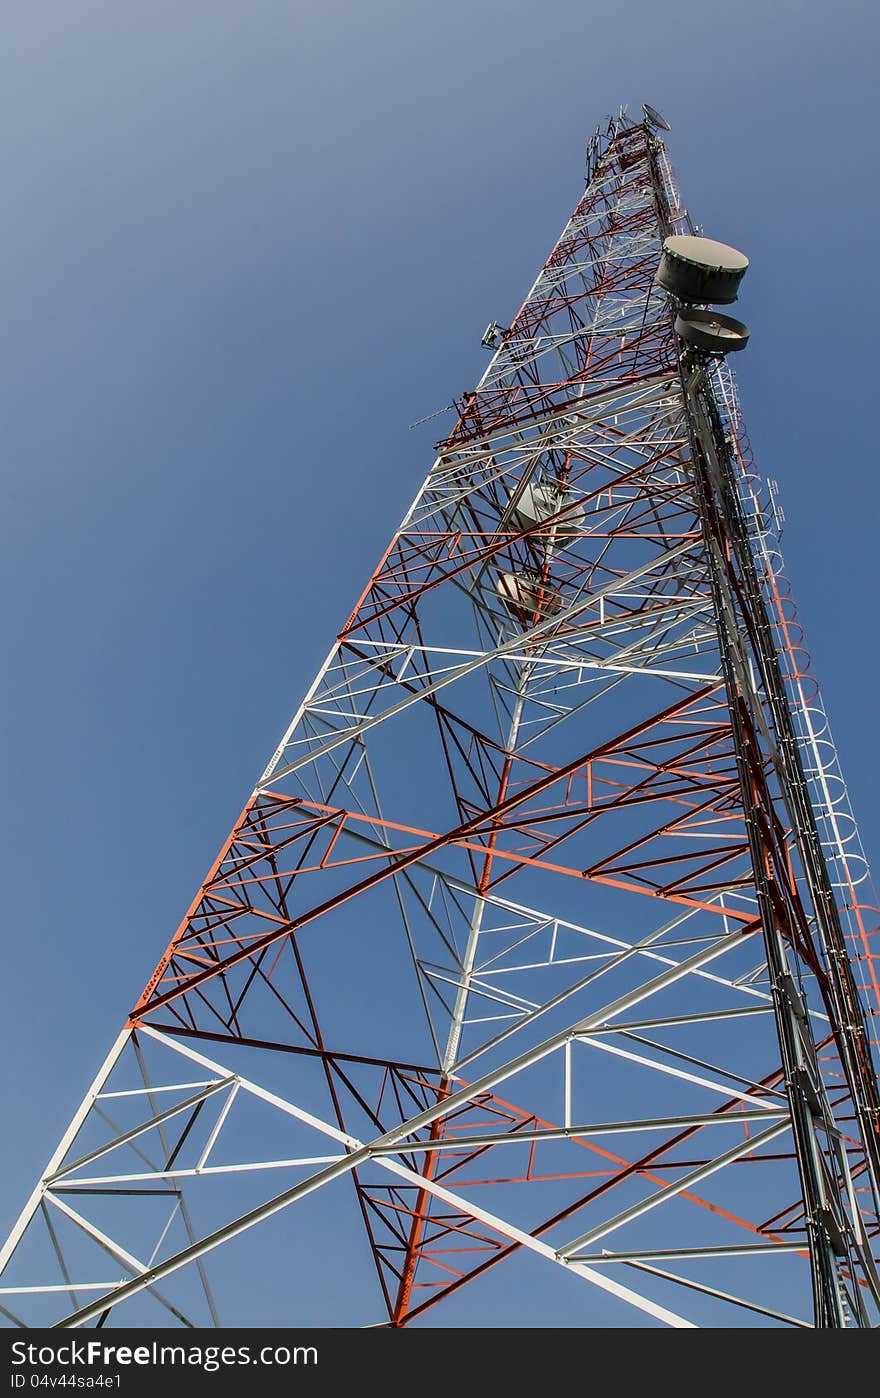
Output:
x,y
700,269
710,330
526,596
541,500
653,118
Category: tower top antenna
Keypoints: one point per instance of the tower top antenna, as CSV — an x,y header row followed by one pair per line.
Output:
x,y
654,119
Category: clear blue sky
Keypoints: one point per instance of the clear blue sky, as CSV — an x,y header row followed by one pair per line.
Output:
x,y
244,245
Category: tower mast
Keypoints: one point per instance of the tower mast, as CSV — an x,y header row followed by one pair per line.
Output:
x,y
542,933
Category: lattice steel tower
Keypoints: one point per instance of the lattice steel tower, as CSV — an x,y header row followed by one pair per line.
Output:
x,y
542,941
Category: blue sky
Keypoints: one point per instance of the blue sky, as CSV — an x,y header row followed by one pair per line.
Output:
x,y
244,246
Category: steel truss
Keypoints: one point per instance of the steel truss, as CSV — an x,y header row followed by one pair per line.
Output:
x,y
545,925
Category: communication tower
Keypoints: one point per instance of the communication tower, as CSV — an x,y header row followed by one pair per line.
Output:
x,y
543,937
